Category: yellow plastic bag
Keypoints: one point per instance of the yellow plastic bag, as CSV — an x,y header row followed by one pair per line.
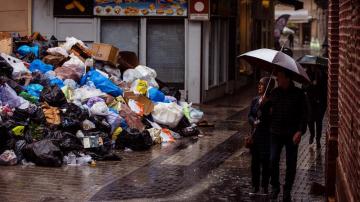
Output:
x,y
18,130
140,87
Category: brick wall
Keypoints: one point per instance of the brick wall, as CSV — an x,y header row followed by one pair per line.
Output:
x,y
333,114
345,73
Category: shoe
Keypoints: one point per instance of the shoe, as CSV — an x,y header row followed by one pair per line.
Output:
x,y
265,190
287,196
254,191
274,193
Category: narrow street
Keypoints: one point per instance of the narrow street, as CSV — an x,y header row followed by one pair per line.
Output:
x,y
212,167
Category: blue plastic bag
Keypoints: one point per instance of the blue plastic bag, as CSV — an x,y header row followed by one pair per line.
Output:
x,y
156,95
38,65
34,89
101,83
57,81
25,50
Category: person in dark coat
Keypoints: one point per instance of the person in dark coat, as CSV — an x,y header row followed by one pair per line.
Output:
x,y
288,124
317,96
259,119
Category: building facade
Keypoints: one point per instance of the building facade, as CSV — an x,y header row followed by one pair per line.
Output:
x,y
343,134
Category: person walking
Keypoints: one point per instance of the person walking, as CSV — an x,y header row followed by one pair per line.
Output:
x,y
317,95
291,40
288,124
259,119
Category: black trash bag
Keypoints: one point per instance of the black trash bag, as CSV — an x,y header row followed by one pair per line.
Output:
x,y
54,134
70,142
19,145
35,132
53,95
70,125
135,140
171,91
6,139
13,84
73,111
39,78
105,157
189,131
37,115
183,123
101,124
5,68
44,153
21,115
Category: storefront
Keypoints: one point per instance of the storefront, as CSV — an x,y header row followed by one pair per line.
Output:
x,y
198,56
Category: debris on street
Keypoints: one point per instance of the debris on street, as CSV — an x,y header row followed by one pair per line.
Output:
x,y
68,104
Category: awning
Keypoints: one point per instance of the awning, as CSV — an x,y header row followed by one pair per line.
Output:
x,y
299,16
297,4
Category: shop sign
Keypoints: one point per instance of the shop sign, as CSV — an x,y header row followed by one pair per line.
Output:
x,y
73,8
199,10
166,8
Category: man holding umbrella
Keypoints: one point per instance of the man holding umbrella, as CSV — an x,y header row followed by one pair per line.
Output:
x,y
288,124
288,113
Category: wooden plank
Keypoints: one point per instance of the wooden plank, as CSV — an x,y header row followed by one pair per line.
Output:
x,y
13,5
13,21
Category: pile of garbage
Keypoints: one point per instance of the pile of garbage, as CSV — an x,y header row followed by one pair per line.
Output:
x,y
71,105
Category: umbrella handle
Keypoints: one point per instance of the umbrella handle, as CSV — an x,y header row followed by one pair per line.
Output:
x,y
267,85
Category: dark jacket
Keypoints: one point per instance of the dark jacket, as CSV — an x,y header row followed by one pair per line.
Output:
x,y
261,133
288,111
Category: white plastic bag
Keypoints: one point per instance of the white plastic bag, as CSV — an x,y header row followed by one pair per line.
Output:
x,y
58,50
76,64
167,114
17,65
70,42
99,108
146,72
130,75
86,92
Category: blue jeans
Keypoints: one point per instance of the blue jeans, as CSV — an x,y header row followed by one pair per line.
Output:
x,y
277,143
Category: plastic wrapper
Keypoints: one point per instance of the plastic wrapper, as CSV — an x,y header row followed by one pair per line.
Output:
x,y
155,135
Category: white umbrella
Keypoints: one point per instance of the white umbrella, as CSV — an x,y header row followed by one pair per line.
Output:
x,y
273,61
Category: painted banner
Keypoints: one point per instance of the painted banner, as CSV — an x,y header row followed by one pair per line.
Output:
x,y
140,8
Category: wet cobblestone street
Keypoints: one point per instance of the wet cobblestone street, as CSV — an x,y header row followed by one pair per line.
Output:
x,y
212,167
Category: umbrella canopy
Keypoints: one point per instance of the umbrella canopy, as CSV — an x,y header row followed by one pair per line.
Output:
x,y
287,30
313,60
273,61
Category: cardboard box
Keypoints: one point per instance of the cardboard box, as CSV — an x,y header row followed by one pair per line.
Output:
x,y
6,44
146,102
81,52
105,52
